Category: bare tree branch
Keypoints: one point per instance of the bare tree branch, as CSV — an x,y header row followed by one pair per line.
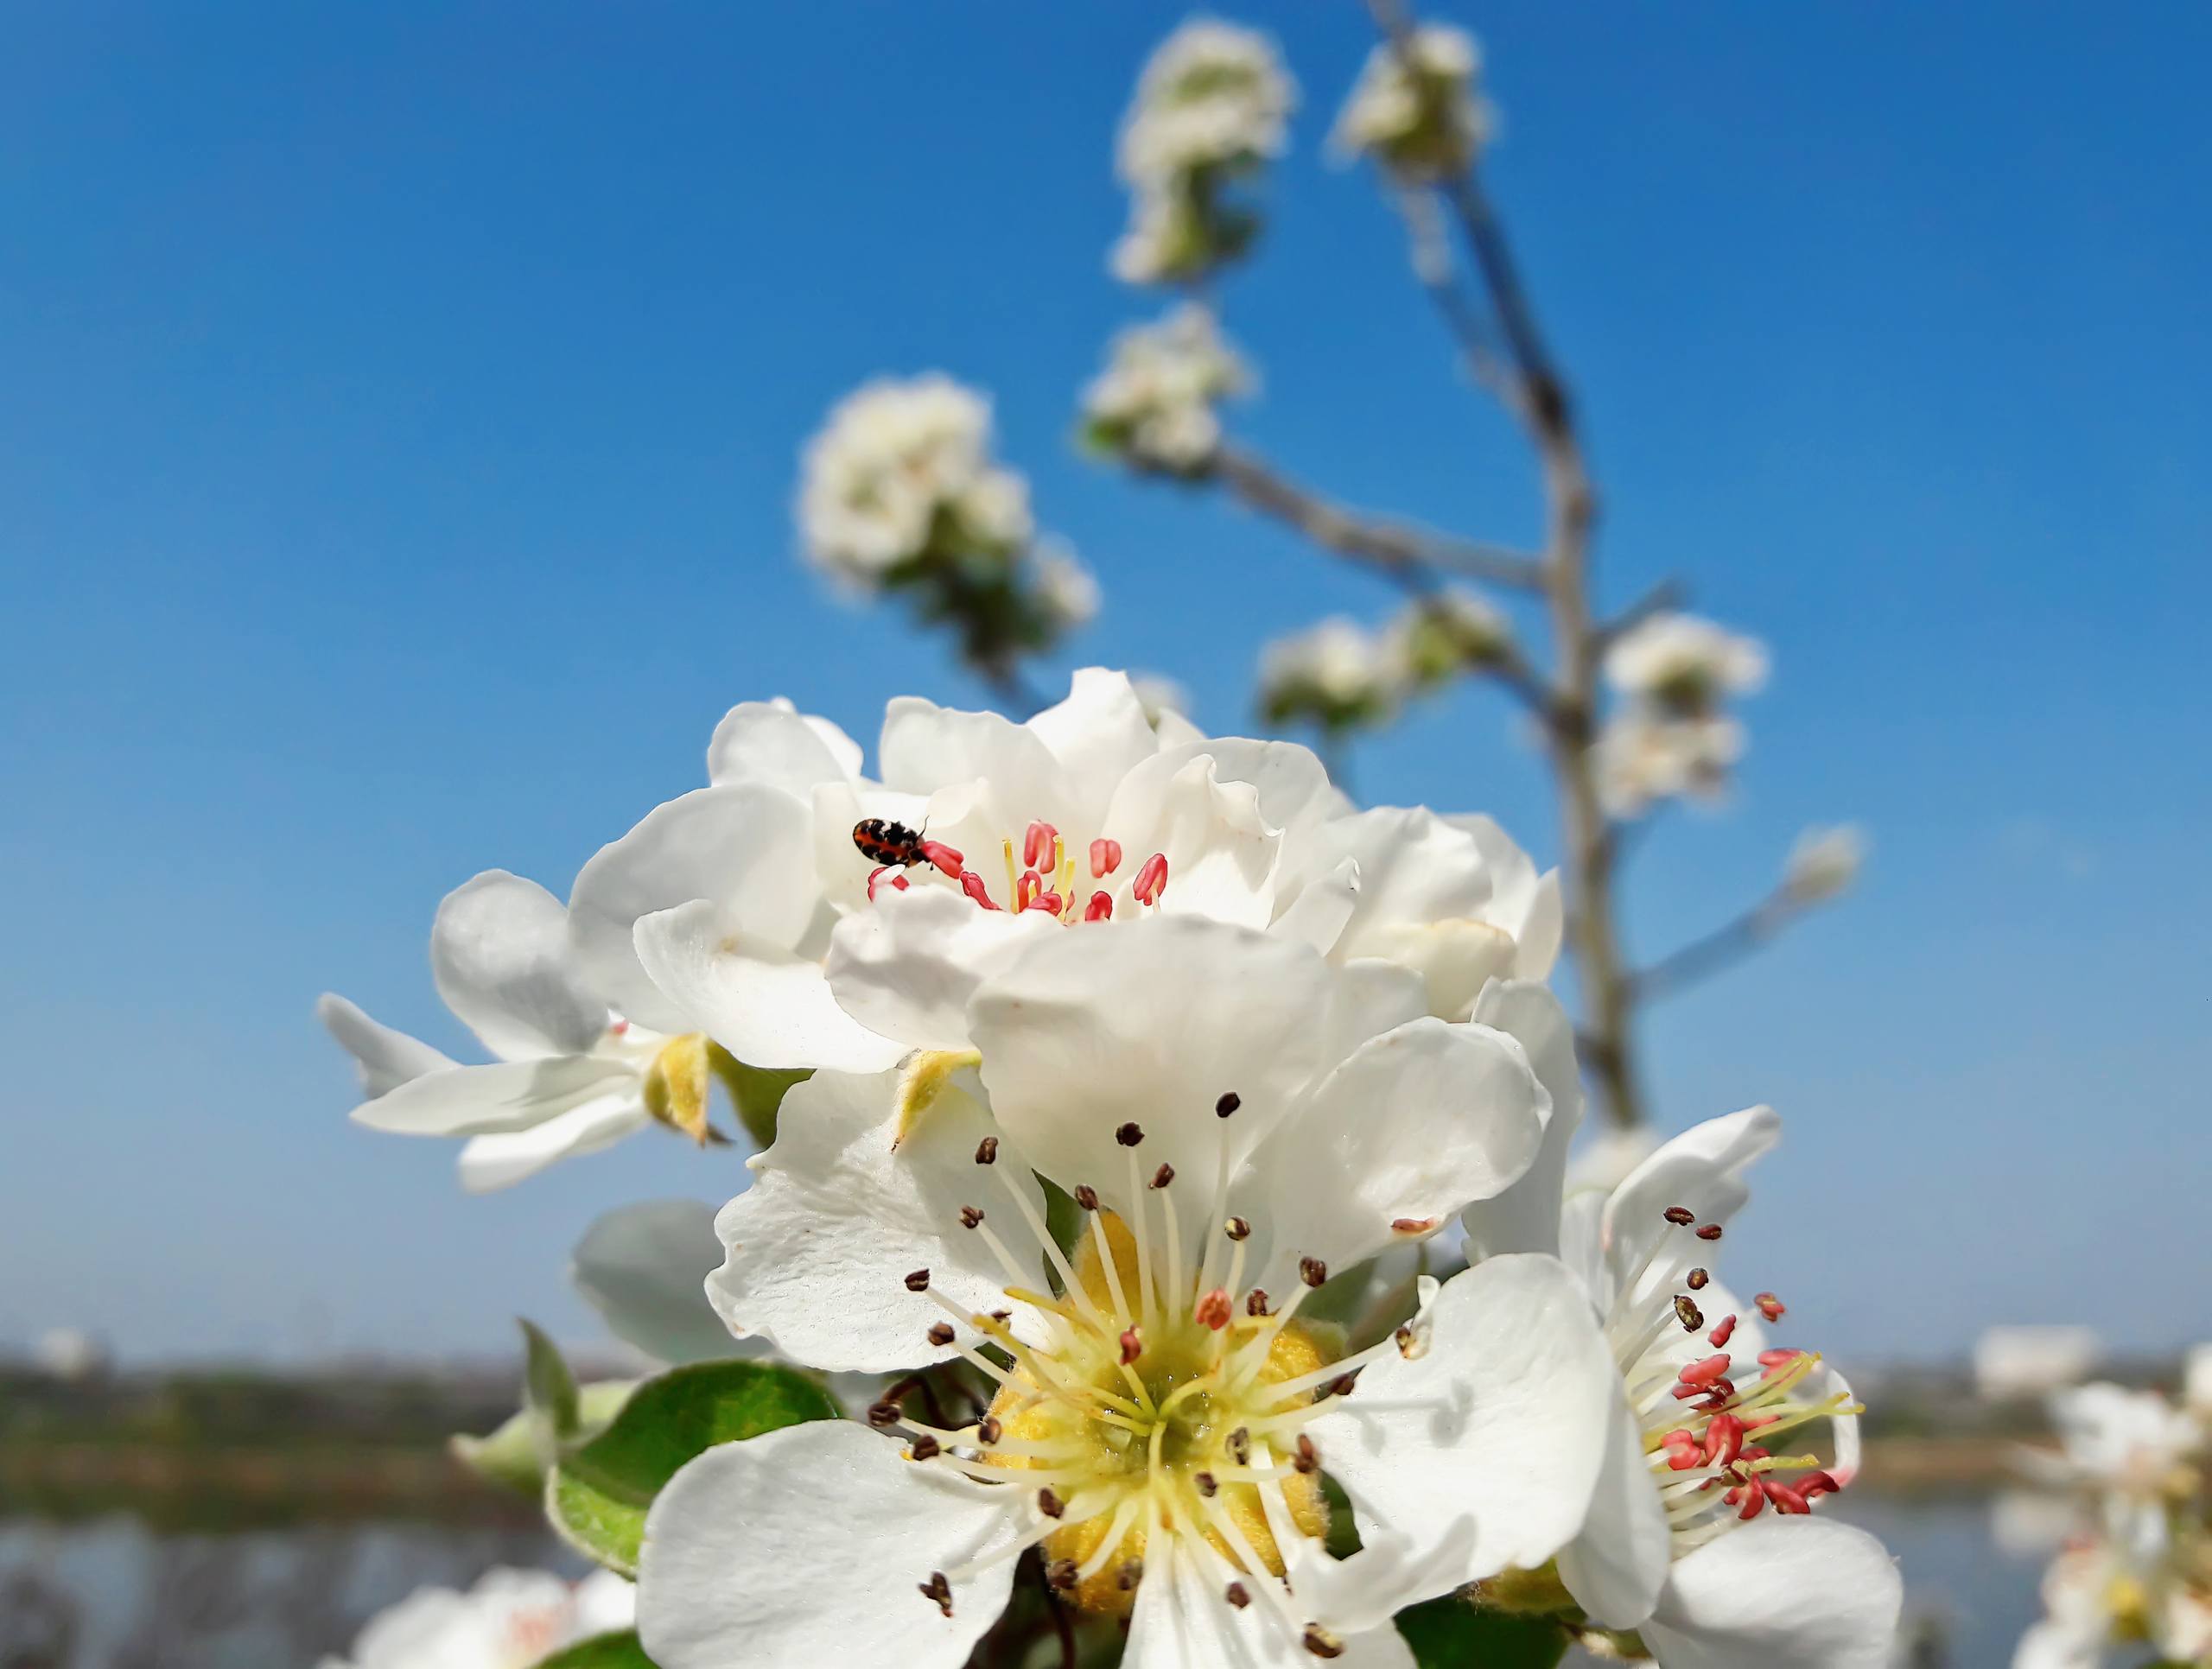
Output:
x,y
1719,950
1664,598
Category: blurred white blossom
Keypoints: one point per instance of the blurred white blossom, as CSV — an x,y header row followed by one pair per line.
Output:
x,y
1438,637
1643,758
510,1620
1824,863
1420,119
1066,589
903,469
1154,402
1684,666
1337,674
1671,735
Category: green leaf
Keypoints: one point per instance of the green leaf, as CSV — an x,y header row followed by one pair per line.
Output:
x,y
757,1092
1450,1634
514,1455
597,1495
548,1387
603,1652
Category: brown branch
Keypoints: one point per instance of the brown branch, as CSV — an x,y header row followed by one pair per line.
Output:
x,y
1719,950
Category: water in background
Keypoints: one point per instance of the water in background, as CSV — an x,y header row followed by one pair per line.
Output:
x,y
111,1594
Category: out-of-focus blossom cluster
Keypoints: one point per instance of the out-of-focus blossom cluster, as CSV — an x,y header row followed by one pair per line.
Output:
x,y
510,1620
1671,735
1213,106
1340,677
1415,108
901,493
1154,405
1823,864
2133,1577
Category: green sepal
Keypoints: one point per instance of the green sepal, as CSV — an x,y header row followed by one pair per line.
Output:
x,y
616,1651
1450,1634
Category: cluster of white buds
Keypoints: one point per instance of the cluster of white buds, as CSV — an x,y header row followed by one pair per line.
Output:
x,y
1823,864
1436,639
1672,735
901,493
1337,676
1154,405
1415,109
1212,106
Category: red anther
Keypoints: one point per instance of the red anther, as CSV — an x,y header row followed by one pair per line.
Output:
x,y
1100,909
972,885
1719,1395
1132,1346
1213,1310
1722,1334
1026,888
1759,1422
1151,878
620,1027
1754,1504
1815,1484
1733,1495
1047,901
897,882
1680,1459
1753,1451
1773,1359
1710,1232
1679,1434
1105,859
947,858
1771,1307
1785,1499
1037,845
1724,1440
1701,1375
1684,1393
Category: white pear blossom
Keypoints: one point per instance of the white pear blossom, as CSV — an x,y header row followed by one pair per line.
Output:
x,y
510,1620
1067,590
1336,673
1416,110
1683,665
1643,757
1671,735
1154,402
1437,637
804,915
1706,1411
571,1074
1824,863
904,469
1233,1117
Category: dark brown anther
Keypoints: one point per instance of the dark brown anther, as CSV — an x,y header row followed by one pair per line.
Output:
x,y
1688,1314
1307,1458
1204,1482
990,1431
941,1334
1164,1176
1320,1642
1001,1316
1256,1302
1240,1446
918,1281
925,1447
970,1217
1697,1281
1343,1387
1710,1232
1405,1337
1237,1228
884,1415
986,1151
1312,1272
1130,1574
1237,1594
1227,1105
1086,1197
1680,1215
1060,1575
1050,1504
939,1592
1129,1135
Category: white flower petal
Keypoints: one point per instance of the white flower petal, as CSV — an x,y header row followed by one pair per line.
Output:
x,y
1317,913
767,742
807,1546
1506,1417
1806,1592
1221,853
1183,1619
500,954
1701,1171
1098,733
1152,1021
1617,1566
1525,1217
1412,1126
926,747
746,848
1524,902
905,966
382,1058
502,1159
478,1100
1293,783
644,1267
844,1207
766,1006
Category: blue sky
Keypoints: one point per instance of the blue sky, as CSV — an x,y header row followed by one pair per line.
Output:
x,y
401,408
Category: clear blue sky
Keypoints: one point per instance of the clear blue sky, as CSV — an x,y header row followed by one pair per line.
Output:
x,y
399,415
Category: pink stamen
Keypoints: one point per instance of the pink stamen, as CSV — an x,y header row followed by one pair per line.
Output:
x,y
1045,901
1701,1375
1754,1504
1724,1440
1771,1307
1815,1484
1785,1499
1037,846
1722,1334
1774,1360
1151,879
620,1028
1026,888
1213,1310
972,885
897,882
1105,859
1100,909
947,858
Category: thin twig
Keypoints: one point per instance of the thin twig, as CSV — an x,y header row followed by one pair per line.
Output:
x,y
1719,950
1664,598
1412,556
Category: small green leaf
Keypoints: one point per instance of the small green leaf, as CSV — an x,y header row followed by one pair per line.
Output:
x,y
548,1387
598,1495
1450,1634
757,1092
603,1652
514,1456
